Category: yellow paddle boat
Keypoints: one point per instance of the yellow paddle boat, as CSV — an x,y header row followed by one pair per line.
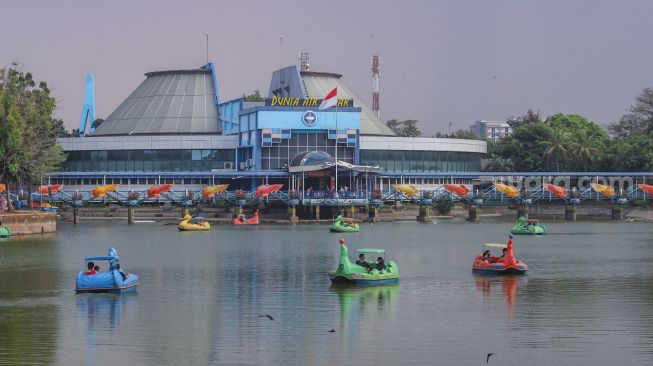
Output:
x,y
189,223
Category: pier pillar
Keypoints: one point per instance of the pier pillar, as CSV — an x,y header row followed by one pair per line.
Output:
x,y
373,214
240,210
130,215
424,213
352,211
75,215
397,205
185,211
570,213
292,214
522,210
317,212
473,213
617,212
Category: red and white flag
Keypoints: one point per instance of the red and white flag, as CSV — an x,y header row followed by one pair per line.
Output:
x,y
330,100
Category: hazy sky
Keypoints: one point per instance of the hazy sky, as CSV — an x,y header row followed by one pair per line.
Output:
x,y
441,61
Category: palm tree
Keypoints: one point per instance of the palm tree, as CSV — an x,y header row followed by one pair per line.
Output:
x,y
584,147
557,147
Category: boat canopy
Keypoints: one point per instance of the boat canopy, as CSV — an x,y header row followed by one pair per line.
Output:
x,y
377,251
100,259
493,245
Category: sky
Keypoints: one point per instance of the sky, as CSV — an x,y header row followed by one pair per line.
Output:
x,y
441,61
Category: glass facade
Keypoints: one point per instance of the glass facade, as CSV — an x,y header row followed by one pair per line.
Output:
x,y
279,155
422,161
150,160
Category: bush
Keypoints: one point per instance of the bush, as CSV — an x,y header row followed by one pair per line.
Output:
x,y
444,207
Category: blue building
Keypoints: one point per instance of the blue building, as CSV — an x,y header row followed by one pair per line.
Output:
x,y
175,129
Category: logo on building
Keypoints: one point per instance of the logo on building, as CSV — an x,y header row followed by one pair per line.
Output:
x,y
309,118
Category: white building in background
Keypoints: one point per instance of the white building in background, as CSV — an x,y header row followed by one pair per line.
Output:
x,y
491,130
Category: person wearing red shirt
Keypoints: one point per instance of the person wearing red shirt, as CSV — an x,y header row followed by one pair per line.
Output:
x,y
91,270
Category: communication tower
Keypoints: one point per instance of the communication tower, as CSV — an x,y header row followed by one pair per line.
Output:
x,y
375,86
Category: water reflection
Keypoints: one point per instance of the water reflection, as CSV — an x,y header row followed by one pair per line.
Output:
x,y
101,315
370,301
506,286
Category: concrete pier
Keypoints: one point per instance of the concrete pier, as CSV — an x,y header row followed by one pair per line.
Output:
x,y
617,212
373,214
130,215
570,213
29,222
185,211
317,212
75,215
292,214
522,211
424,213
473,213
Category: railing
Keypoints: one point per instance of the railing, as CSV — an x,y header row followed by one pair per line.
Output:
x,y
489,195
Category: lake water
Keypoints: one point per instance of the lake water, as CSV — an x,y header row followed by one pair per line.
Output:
x,y
587,300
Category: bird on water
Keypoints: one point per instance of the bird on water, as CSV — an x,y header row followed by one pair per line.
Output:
x,y
266,316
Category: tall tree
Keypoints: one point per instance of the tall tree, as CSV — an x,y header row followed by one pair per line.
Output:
x,y
584,147
407,128
556,147
639,118
28,133
254,97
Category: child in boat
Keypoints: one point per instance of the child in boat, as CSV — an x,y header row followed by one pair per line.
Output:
x,y
90,269
242,218
97,268
362,262
380,264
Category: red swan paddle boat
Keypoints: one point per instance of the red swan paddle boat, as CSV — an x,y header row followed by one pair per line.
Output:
x,y
507,264
251,221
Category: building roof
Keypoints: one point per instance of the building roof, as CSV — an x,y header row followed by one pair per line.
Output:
x,y
167,102
319,84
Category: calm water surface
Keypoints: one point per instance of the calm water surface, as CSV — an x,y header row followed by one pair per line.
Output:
x,y
588,298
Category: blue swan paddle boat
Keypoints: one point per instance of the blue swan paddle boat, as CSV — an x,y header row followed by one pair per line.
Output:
x,y
113,280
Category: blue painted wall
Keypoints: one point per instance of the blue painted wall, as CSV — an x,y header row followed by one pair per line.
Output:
x,y
293,119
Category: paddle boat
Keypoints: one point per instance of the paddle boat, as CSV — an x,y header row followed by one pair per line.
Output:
x,y
488,264
189,223
344,225
114,280
528,227
366,274
245,221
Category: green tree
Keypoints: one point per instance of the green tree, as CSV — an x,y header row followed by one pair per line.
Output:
x,y
407,128
627,154
523,148
28,133
458,134
97,122
556,147
254,97
529,117
639,118
584,147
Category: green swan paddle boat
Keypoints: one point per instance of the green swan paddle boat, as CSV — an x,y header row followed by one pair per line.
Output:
x,y
343,225
528,227
367,274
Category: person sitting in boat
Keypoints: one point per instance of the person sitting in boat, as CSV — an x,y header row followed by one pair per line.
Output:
x,y
123,274
503,255
242,218
362,262
97,269
380,264
90,269
486,255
